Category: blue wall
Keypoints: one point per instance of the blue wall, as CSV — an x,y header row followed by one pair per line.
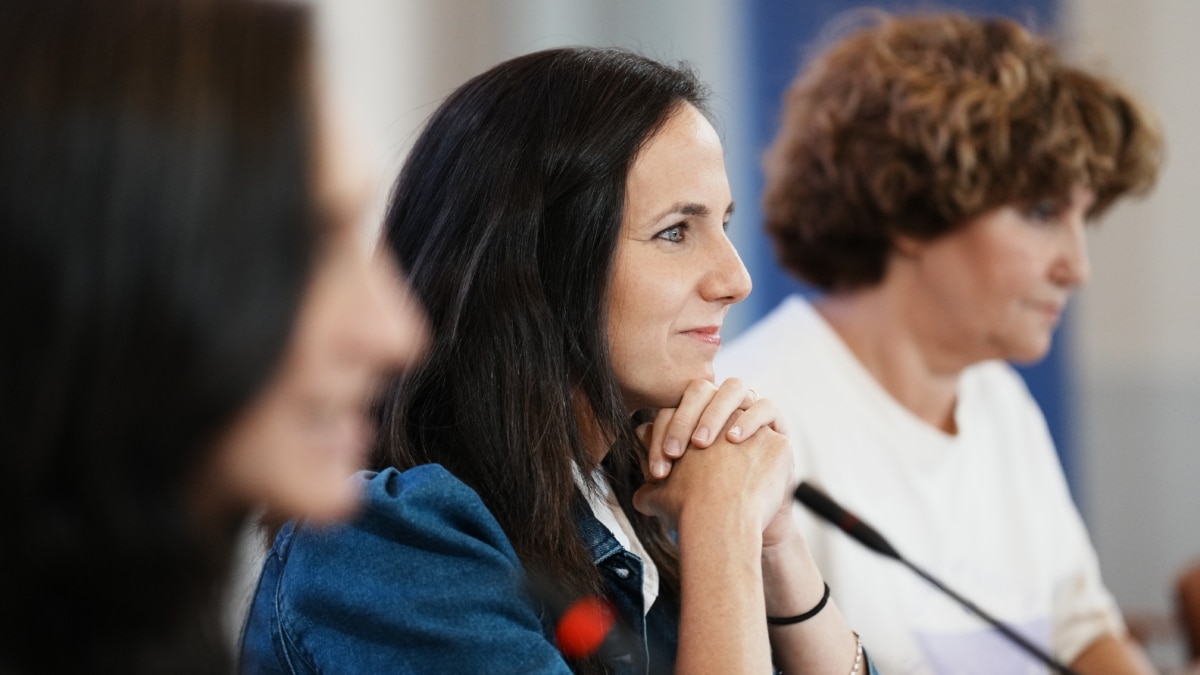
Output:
x,y
780,33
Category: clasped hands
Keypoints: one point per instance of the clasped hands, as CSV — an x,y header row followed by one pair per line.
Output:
x,y
723,447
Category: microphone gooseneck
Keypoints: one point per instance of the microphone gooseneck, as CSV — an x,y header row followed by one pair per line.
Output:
x,y
821,504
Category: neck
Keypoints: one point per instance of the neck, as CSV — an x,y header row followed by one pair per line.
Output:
x,y
889,340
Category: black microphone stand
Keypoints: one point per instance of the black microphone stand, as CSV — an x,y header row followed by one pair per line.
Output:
x,y
824,506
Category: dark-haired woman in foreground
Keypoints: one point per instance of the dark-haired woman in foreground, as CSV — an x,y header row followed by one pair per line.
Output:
x,y
563,217
192,320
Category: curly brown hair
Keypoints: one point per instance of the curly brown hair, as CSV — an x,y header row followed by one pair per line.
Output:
x,y
913,125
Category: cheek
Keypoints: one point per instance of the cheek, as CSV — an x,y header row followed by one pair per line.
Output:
x,y
284,464
639,315
1015,264
288,455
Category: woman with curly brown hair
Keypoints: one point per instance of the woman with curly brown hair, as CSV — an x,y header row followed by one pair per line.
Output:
x,y
933,176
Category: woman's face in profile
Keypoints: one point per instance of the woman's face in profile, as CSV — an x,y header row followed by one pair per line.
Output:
x,y
676,273
310,428
996,287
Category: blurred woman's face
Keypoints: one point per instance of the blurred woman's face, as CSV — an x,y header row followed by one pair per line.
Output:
x,y
294,448
997,286
676,273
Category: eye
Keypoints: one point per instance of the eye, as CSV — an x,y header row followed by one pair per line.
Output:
x,y
1043,210
675,233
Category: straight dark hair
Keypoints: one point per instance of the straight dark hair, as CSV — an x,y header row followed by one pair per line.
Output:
x,y
157,234
507,215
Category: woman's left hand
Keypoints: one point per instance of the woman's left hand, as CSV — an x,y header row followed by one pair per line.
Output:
x,y
703,411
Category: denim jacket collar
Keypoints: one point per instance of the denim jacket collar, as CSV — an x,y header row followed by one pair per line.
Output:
x,y
646,641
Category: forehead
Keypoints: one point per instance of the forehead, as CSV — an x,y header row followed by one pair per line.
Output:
x,y
346,178
682,163
685,132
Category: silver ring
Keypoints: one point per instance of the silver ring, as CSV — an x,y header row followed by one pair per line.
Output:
x,y
753,395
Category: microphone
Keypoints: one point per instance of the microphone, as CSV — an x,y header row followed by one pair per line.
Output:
x,y
825,507
583,626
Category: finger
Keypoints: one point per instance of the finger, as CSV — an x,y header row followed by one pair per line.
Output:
x,y
659,462
684,425
761,414
728,400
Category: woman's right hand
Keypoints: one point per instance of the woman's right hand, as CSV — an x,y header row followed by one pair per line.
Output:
x,y
754,476
732,409
721,500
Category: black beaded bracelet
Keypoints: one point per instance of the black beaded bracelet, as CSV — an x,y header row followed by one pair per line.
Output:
x,y
789,620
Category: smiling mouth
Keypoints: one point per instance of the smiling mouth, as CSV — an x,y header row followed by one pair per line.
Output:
x,y
710,335
342,422
1047,315
1050,309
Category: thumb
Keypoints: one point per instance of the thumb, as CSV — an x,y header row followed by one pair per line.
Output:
x,y
643,433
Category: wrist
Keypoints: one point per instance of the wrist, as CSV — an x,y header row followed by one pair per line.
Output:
x,y
724,524
791,580
803,616
785,549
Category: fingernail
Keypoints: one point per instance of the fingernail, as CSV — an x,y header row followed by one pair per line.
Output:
x,y
701,435
735,433
660,468
671,447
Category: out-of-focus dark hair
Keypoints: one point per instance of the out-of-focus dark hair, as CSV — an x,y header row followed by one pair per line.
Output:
x,y
911,126
507,216
157,233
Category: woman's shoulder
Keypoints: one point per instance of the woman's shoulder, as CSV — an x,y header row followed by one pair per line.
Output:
x,y
392,493
393,486
424,504
401,587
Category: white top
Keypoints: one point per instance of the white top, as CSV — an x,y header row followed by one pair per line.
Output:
x,y
610,514
986,511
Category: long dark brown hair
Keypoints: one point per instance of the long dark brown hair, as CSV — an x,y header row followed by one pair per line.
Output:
x,y
157,234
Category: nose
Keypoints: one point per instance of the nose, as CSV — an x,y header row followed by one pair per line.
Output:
x,y
1073,267
391,328
728,281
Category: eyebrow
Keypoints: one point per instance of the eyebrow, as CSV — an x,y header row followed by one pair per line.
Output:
x,y
689,209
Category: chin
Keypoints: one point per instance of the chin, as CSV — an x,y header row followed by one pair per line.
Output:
x,y
335,503
644,400
1028,355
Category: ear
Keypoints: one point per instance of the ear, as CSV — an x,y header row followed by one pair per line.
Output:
x,y
906,246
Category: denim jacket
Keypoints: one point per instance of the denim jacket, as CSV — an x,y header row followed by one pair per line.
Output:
x,y
425,581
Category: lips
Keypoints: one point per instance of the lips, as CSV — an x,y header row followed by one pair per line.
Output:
x,y
1052,310
338,417
710,335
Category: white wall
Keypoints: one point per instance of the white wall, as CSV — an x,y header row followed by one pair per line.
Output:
x,y
1137,330
393,61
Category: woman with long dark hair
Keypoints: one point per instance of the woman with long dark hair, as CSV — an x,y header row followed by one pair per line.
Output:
x,y
563,216
191,323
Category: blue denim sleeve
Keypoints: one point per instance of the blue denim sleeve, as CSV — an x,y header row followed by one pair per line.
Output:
x,y
422,581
